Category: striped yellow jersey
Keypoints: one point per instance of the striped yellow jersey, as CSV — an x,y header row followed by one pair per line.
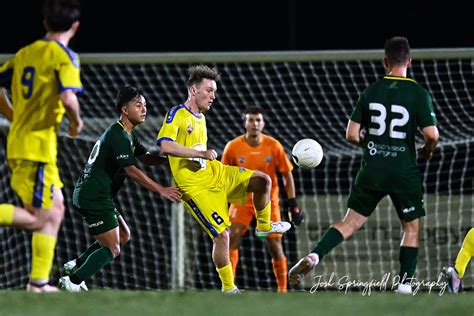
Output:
x,y
38,73
192,175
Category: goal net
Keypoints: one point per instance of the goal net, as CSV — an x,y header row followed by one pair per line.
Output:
x,y
304,94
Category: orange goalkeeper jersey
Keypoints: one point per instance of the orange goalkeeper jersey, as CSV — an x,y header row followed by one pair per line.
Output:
x,y
268,157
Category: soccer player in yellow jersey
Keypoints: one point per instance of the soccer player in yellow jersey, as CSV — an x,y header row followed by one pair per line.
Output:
x,y
208,185
44,80
455,273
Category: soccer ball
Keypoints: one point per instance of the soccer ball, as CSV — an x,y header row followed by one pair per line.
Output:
x,y
307,153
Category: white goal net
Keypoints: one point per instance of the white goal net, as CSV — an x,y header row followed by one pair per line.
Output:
x,y
305,94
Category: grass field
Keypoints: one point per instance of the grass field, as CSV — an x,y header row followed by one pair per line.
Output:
x,y
140,303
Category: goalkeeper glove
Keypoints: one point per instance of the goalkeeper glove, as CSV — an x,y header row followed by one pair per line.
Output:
x,y
295,213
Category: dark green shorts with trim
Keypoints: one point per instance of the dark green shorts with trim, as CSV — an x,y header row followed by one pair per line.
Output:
x,y
100,221
409,204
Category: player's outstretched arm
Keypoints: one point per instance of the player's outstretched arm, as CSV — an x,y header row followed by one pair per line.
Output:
x,y
71,104
431,136
170,193
174,149
5,105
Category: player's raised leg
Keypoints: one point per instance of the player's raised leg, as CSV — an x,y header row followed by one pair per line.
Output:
x,y
331,239
260,184
72,265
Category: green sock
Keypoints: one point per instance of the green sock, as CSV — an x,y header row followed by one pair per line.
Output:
x,y
83,256
408,260
96,261
330,240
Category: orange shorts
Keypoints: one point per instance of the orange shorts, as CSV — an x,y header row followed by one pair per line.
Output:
x,y
244,214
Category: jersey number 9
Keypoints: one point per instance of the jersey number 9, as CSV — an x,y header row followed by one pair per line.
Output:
x,y
27,81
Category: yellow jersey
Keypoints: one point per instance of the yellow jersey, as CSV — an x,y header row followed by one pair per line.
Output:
x,y
191,175
38,73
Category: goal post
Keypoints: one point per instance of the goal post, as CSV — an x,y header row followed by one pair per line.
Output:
x,y
305,94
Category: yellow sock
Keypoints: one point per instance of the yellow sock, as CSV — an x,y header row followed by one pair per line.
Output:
x,y
263,218
42,246
465,254
227,277
7,212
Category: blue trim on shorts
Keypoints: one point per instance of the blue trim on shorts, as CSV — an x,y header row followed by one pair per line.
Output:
x,y
39,186
201,218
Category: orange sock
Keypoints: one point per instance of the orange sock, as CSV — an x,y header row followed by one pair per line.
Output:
x,y
280,270
234,259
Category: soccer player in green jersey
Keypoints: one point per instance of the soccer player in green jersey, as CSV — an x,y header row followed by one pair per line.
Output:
x,y
44,77
112,159
206,183
384,122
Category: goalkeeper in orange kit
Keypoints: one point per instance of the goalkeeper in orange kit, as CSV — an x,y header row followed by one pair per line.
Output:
x,y
257,151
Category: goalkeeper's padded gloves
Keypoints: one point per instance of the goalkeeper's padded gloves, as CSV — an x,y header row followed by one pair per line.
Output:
x,y
295,213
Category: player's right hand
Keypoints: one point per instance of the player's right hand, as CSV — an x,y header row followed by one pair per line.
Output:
x,y
424,153
76,128
210,154
171,193
295,214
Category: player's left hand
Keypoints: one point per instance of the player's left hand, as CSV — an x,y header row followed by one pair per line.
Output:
x,y
294,212
171,193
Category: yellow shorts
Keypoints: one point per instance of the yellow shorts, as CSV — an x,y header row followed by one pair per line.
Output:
x,y
210,208
35,182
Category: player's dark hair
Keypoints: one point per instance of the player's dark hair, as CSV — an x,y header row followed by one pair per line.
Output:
x,y
61,14
397,50
253,110
126,95
200,72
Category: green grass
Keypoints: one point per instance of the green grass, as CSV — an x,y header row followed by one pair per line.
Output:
x,y
140,303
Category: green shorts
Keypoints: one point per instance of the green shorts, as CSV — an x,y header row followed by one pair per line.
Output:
x,y
409,204
100,221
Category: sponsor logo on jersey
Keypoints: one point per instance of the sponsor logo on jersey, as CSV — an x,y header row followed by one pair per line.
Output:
x,y
121,157
268,159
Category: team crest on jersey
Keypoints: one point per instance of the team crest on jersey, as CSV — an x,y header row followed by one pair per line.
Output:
x,y
268,159
241,169
241,160
190,129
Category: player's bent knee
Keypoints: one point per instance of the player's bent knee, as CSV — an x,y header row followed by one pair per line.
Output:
x,y
115,249
260,183
36,219
125,237
56,213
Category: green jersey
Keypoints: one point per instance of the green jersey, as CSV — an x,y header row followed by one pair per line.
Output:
x,y
391,110
103,174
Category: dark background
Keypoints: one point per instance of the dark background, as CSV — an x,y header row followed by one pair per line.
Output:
x,y
178,26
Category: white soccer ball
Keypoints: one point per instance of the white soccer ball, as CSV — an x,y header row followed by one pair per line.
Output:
x,y
307,153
